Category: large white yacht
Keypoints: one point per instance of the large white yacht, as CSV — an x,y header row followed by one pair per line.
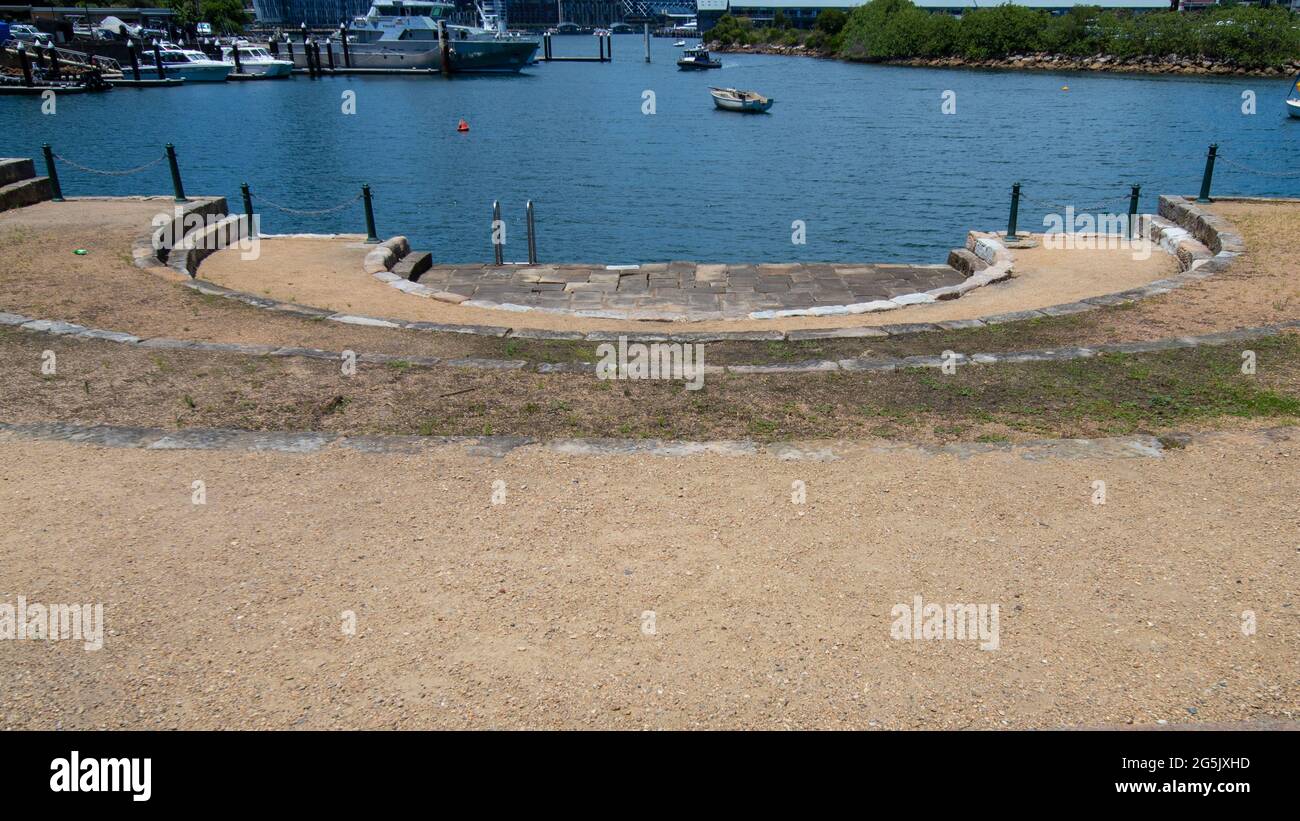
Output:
x,y
404,34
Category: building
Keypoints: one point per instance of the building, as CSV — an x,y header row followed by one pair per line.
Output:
x,y
315,13
802,13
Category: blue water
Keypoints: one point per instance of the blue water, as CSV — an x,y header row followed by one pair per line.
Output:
x,y
862,154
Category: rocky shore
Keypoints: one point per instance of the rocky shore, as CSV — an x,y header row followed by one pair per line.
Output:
x,y
1171,64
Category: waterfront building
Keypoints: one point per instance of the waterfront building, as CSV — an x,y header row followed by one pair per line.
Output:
x,y
315,13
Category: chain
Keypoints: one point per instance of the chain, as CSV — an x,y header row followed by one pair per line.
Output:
x,y
1250,170
1060,207
112,173
306,212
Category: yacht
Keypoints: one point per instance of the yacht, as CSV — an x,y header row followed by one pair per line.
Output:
x,y
404,34
191,66
256,60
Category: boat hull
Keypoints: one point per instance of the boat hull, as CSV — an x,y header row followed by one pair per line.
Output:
x,y
470,56
696,65
747,107
280,68
1293,108
197,74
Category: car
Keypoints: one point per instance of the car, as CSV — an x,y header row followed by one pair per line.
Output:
x,y
29,34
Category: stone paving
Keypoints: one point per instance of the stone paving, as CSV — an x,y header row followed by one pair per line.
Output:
x,y
672,289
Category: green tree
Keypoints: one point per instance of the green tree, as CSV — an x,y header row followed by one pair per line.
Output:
x,y
831,21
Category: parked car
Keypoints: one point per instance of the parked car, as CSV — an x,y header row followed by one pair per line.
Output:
x,y
29,34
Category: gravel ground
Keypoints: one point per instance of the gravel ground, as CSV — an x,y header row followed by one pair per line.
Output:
x,y
768,614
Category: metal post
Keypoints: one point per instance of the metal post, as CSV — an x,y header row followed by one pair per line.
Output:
x,y
27,66
497,247
52,173
176,173
135,61
609,47
532,236
1209,174
371,236
646,30
343,35
234,50
444,49
1133,212
304,33
273,46
248,202
1015,211
157,60
546,46
289,45
54,61
329,51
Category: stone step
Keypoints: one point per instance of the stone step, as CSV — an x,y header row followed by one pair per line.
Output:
x,y
413,265
965,261
25,192
15,169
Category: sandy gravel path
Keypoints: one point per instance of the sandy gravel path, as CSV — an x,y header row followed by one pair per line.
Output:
x,y
327,273
767,614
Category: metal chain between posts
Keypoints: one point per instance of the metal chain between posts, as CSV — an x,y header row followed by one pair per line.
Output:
x,y
262,200
1060,207
1250,170
101,172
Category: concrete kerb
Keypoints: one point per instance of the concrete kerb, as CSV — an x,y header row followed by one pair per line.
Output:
x,y
1138,446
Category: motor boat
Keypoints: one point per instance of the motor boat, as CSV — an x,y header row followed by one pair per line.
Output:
x,y
697,59
186,64
733,99
256,60
404,34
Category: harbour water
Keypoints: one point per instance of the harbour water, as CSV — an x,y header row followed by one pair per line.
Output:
x,y
863,155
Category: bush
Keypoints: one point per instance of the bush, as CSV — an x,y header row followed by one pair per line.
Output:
x,y
1000,31
831,21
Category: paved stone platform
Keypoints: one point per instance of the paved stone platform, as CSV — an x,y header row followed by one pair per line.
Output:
x,y
699,291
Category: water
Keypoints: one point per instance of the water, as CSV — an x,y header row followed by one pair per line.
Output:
x,y
862,154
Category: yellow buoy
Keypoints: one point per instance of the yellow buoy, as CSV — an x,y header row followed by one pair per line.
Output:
x,y
1065,88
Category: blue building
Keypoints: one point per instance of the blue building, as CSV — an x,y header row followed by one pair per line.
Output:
x,y
315,13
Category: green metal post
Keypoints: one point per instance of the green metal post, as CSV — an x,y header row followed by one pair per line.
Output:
x,y
1209,174
176,174
1015,212
52,173
371,235
1133,211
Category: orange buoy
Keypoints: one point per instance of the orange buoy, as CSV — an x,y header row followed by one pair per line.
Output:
x,y
462,126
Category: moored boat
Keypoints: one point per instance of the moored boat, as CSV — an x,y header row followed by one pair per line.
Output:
x,y
734,99
1293,99
697,59
183,64
398,34
256,60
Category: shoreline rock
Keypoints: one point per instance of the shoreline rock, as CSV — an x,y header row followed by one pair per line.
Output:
x,y
1171,64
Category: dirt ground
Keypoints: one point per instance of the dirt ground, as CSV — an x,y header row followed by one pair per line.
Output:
x,y
767,614
327,273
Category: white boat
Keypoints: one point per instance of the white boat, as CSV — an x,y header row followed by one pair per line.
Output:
x,y
733,99
1293,99
680,44
1293,107
256,60
188,65
401,34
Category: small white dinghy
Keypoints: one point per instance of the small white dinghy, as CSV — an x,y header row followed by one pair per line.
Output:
x,y
733,99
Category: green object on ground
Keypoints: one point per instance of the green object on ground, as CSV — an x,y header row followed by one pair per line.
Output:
x,y
81,252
